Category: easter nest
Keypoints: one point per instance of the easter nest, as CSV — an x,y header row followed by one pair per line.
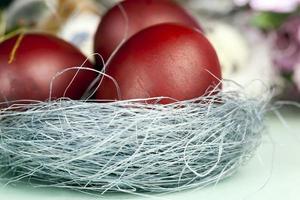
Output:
x,y
130,146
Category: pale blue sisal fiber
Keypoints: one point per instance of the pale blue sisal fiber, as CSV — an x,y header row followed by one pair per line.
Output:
x,y
129,146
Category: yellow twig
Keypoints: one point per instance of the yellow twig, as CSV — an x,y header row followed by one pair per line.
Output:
x,y
15,48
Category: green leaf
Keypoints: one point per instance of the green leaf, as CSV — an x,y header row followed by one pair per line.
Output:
x,y
269,20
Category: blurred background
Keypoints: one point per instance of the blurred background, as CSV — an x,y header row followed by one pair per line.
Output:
x,y
256,40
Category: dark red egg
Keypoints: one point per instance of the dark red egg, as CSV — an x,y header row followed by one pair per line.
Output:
x,y
167,60
140,14
28,63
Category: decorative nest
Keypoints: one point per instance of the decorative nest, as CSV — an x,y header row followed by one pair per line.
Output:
x,y
129,146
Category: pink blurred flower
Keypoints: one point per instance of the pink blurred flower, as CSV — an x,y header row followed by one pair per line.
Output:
x,y
286,51
281,6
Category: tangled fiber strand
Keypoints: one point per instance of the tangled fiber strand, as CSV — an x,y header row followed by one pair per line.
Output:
x,y
129,146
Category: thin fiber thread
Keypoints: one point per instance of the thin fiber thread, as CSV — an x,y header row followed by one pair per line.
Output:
x,y
129,146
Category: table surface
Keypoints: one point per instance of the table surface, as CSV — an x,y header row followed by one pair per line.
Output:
x,y
273,173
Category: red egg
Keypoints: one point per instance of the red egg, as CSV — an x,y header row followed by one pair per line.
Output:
x,y
164,60
141,14
28,62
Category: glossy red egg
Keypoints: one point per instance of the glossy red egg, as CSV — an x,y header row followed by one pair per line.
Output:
x,y
141,14
164,60
28,62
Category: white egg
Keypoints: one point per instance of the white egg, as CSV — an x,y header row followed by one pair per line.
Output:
x,y
296,76
244,56
231,47
80,30
210,6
